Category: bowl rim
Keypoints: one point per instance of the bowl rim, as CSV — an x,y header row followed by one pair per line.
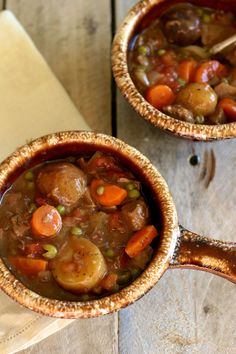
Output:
x,y
69,309
142,107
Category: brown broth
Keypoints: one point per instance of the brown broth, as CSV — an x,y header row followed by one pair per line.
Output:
x,y
154,60
16,210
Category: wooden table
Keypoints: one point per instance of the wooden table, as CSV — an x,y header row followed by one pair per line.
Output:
x,y
187,311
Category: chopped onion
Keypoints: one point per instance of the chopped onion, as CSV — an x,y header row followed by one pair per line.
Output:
x,y
196,50
142,77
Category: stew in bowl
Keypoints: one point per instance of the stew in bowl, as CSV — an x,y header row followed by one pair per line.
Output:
x,y
88,226
77,228
172,61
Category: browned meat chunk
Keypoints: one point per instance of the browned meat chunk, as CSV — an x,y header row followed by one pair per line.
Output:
x,y
14,202
231,56
179,112
135,215
232,79
218,117
213,34
224,90
181,25
20,225
62,182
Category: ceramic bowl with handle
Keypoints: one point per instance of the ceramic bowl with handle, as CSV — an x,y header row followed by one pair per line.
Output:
x,y
144,12
176,246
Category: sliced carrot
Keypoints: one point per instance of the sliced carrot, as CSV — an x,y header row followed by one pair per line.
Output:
x,y
229,107
160,95
186,69
46,221
29,266
140,240
109,281
208,70
111,194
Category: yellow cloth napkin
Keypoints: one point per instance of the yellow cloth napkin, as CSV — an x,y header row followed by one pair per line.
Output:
x,y
32,103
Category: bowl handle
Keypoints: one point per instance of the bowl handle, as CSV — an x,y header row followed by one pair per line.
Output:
x,y
202,253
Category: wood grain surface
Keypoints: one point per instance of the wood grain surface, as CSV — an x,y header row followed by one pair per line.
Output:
x,y
187,311
74,37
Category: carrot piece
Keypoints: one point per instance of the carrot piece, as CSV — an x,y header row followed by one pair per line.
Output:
x,y
46,221
109,281
208,70
29,266
111,195
187,69
160,95
229,107
140,240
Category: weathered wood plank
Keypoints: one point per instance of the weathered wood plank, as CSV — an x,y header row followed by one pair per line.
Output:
x,y
187,311
81,337
74,37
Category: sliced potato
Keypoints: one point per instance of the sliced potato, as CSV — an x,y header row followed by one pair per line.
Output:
x,y
79,265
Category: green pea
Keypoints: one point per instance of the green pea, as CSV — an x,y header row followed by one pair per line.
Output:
x,y
199,11
109,253
84,297
199,119
181,82
61,209
225,80
76,231
130,186
32,207
161,52
206,18
123,277
134,194
51,251
143,50
71,159
29,176
30,186
135,272
100,190
115,288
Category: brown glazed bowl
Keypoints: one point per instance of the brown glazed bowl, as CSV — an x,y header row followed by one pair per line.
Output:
x,y
141,14
176,246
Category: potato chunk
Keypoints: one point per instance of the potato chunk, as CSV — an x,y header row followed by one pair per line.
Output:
x,y
79,265
62,182
199,98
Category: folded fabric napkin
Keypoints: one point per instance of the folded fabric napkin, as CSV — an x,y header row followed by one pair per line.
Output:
x,y
32,103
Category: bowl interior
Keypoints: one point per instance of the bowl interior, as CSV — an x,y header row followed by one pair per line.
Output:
x,y
139,17
66,144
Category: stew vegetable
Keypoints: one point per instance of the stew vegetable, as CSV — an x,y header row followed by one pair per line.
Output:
x,y
76,229
170,64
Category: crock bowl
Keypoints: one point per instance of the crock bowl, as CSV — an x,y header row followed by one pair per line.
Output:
x,y
176,247
145,10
